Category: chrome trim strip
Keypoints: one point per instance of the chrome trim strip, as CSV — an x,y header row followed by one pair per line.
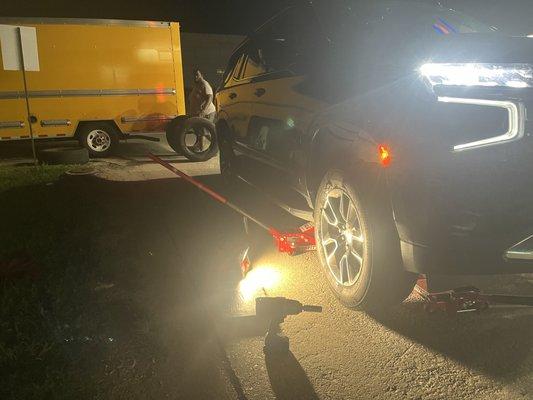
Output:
x,y
131,135
516,114
520,254
11,95
87,93
127,120
102,92
11,124
83,21
55,122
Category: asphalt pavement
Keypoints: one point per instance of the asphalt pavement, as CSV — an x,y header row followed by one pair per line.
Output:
x,y
129,163
404,353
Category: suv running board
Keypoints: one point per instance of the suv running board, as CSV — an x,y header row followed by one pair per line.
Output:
x,y
306,215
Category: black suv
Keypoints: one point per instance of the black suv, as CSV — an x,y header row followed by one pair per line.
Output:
x,y
400,128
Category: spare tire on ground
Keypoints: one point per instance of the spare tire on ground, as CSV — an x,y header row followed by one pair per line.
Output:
x,y
193,137
173,130
63,155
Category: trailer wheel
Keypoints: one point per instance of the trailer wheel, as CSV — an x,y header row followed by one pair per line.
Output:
x,y
198,140
99,138
63,155
358,245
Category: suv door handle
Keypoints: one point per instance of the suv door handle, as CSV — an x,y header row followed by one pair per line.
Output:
x,y
260,92
232,96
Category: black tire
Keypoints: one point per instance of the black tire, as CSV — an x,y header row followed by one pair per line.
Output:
x,y
228,159
173,132
99,138
198,126
381,280
62,155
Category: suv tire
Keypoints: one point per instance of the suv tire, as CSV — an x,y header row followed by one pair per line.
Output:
x,y
361,255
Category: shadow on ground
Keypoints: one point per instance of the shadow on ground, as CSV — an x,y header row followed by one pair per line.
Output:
x,y
288,379
494,342
168,251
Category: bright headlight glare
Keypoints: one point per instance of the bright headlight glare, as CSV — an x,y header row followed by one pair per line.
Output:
x,y
472,74
261,277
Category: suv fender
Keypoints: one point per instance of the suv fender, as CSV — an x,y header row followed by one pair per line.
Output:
x,y
345,147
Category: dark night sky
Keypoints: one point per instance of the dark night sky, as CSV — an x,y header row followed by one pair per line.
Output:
x,y
239,16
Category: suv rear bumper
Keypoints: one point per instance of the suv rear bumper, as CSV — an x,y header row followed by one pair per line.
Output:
x,y
467,211
522,251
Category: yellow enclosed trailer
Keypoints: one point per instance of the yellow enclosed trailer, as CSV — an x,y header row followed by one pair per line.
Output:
x,y
94,80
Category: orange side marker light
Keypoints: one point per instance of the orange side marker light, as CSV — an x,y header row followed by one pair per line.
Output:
x,y
385,157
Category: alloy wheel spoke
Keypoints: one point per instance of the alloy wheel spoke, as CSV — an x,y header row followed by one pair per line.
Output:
x,y
331,254
330,219
356,255
341,276
344,263
357,235
351,217
344,206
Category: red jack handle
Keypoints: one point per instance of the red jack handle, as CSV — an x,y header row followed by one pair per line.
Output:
x,y
206,189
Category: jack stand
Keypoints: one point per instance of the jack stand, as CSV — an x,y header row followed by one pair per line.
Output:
x,y
465,299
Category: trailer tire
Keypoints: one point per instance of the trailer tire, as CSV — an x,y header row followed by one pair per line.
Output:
x,y
199,127
172,132
62,155
99,138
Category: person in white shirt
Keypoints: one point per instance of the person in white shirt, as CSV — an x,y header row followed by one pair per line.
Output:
x,y
201,98
201,105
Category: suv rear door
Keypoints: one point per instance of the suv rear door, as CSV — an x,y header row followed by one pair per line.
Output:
x,y
285,50
234,97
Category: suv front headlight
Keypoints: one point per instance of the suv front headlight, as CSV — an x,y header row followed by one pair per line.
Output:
x,y
482,74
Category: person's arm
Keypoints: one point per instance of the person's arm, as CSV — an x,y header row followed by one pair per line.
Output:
x,y
208,96
205,104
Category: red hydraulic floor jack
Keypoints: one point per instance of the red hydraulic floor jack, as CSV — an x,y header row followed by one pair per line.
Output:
x,y
293,242
302,240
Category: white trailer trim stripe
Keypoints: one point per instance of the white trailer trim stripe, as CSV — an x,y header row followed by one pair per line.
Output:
x,y
83,21
37,137
127,120
86,93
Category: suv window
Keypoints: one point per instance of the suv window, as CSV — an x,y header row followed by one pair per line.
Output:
x,y
255,63
284,42
233,67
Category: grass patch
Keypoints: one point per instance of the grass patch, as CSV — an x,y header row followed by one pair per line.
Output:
x,y
12,177
54,324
